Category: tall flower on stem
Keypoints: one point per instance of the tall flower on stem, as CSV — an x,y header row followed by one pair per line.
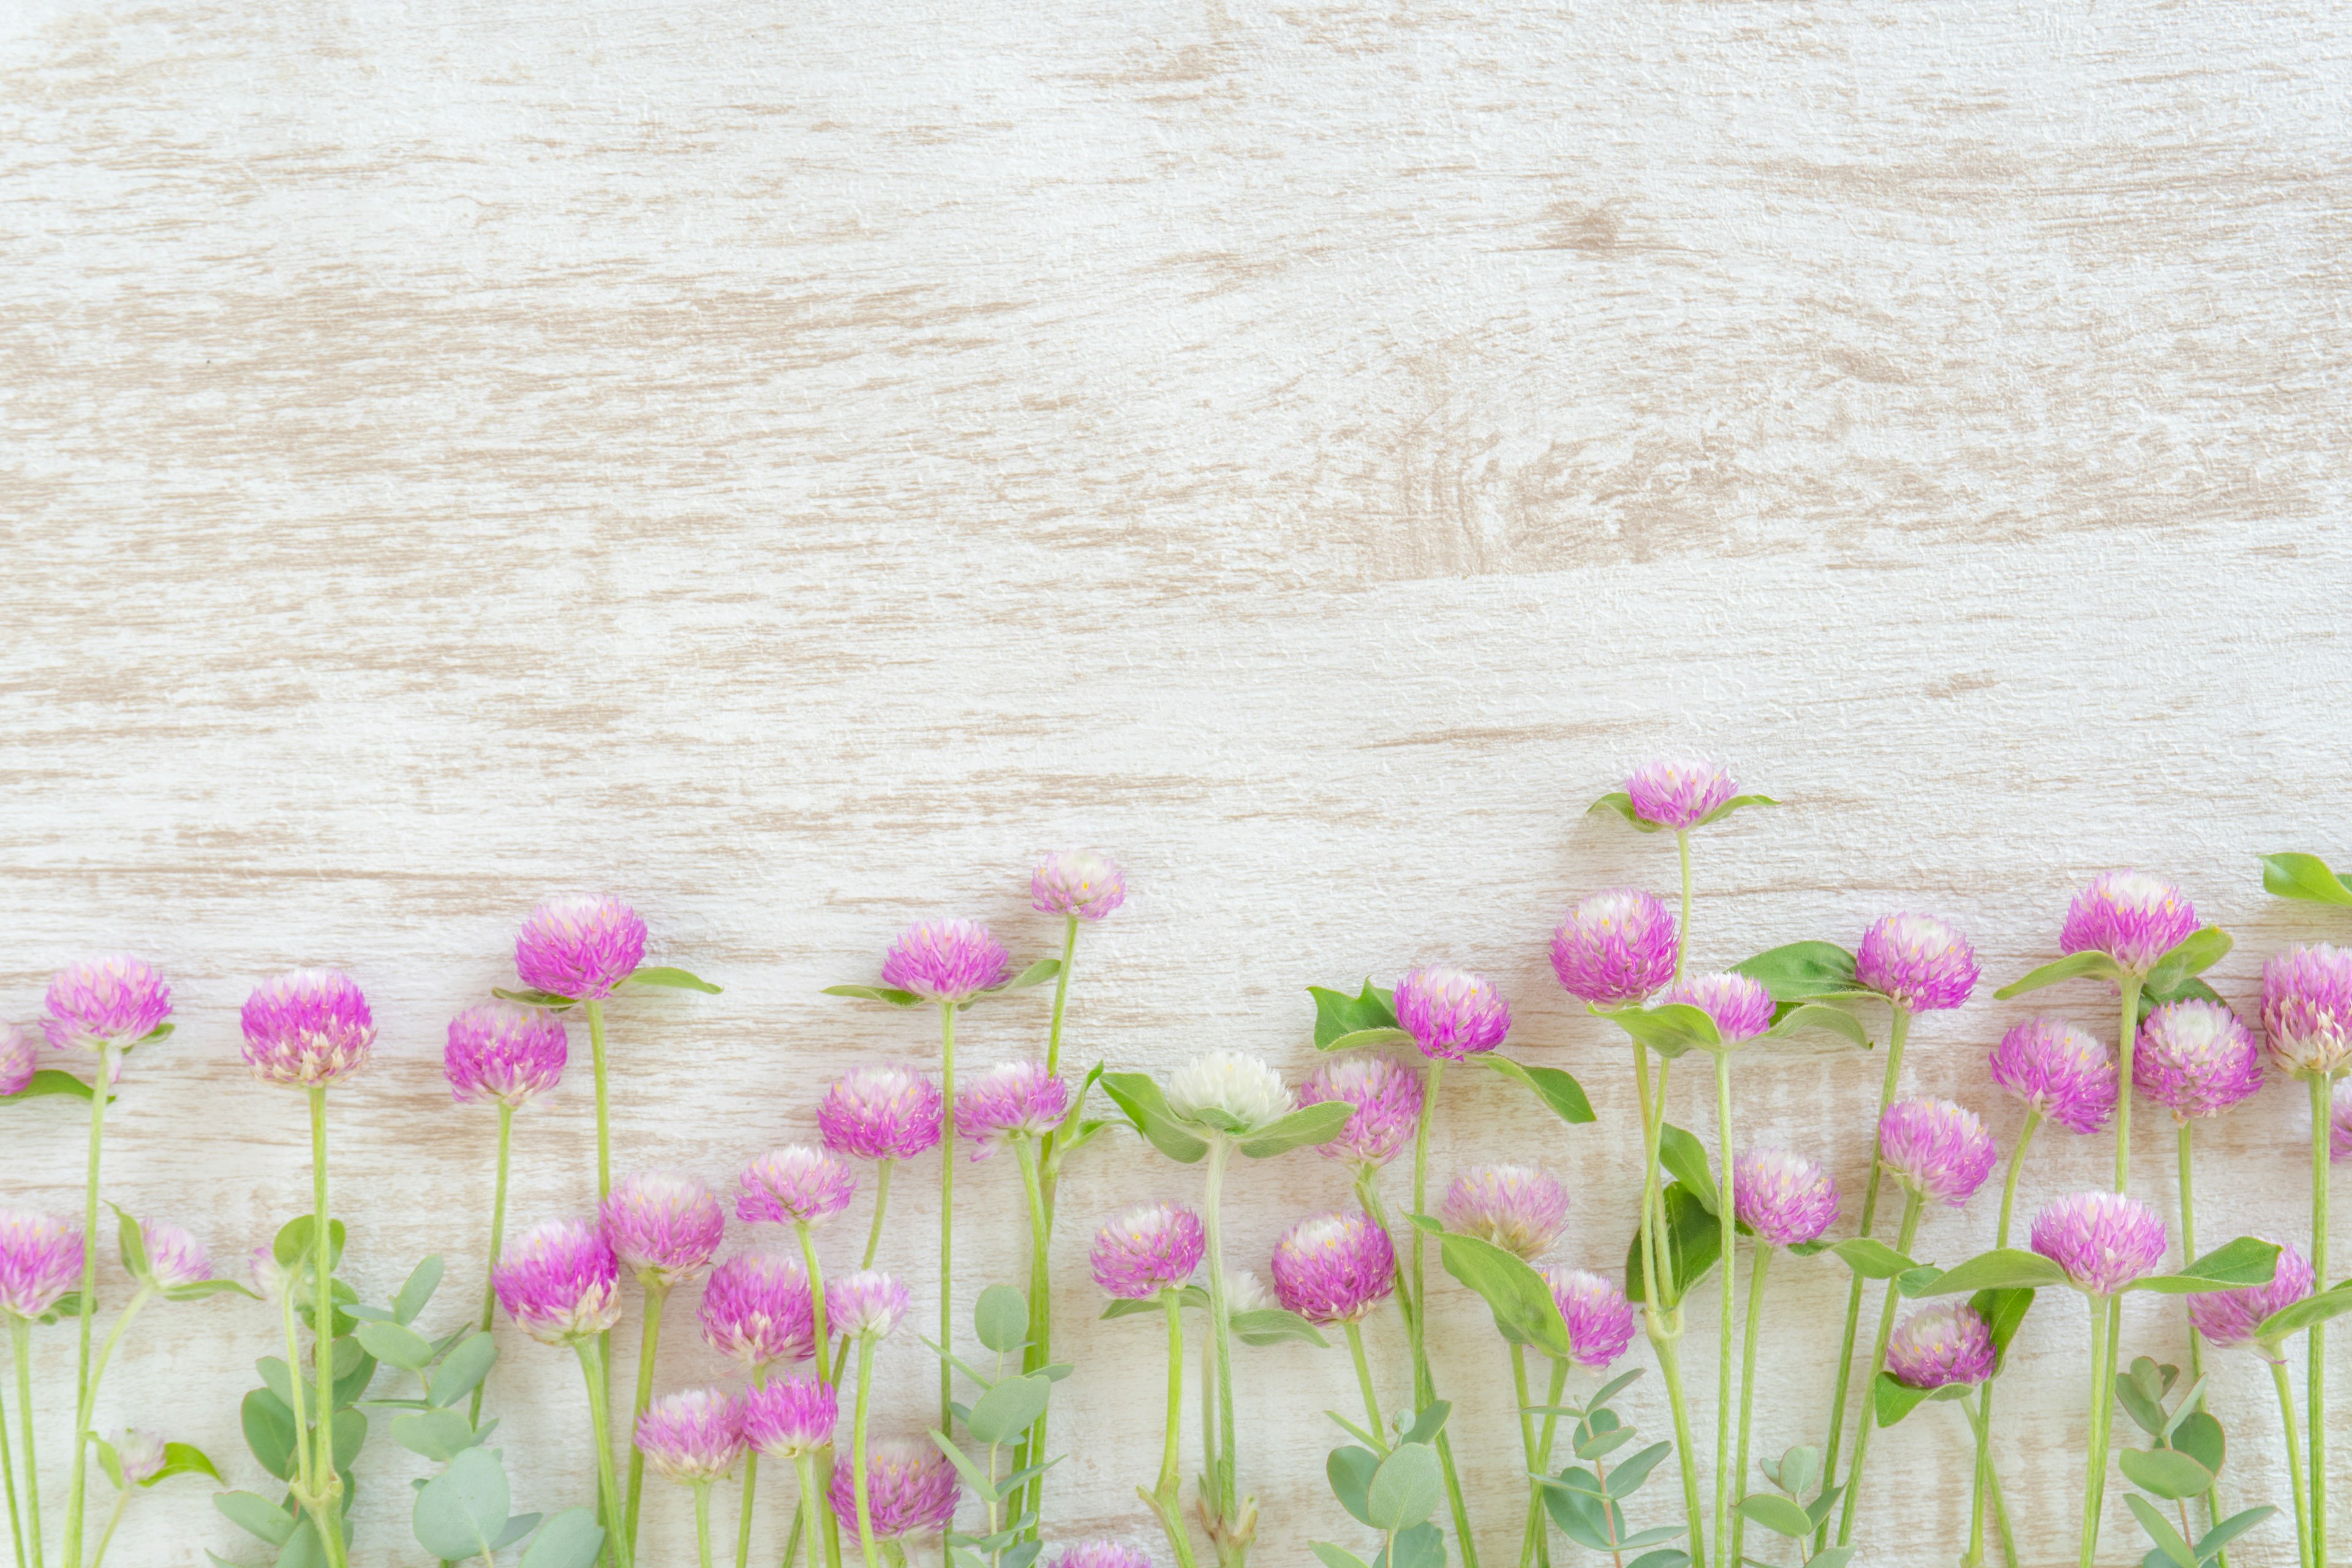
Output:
x,y
1149,1254
2228,1318
793,1419
759,1310
803,1187
867,1305
664,1228
1334,1268
900,1487
39,1259
693,1438
1785,1200
1600,1322
581,950
885,1114
561,1285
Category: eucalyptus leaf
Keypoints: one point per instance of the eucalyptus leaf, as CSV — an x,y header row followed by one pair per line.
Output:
x,y
436,1434
1406,1488
2167,1540
1002,1318
292,1244
1350,1470
518,1527
402,1346
256,1515
1681,1559
676,979
1423,1546
1139,1095
1308,1125
1585,1517
1561,1093
2074,966
2306,877
2229,1529
1776,1514
269,1432
975,1477
573,1539
462,1369
1428,1422
1634,1469
1011,1406
1524,1308
1272,1325
460,1511
416,1291
2198,1435
1331,1556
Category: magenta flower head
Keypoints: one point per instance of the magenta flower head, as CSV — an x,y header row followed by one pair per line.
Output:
x,y
174,1257
1101,1554
1600,1319
1783,1198
40,1260
1387,1098
1614,948
1077,882
1741,1007
2195,1059
881,1113
911,1488
141,1453
789,1416
1519,1208
17,1065
1678,793
1451,1012
694,1436
946,960
1009,1100
794,1186
309,1029
560,1282
2059,1071
2103,1240
865,1305
1937,1345
757,1308
2231,1317
1924,964
504,1051
1334,1269
2130,916
1939,1150
579,948
1148,1249
2307,1009
663,1226
104,1003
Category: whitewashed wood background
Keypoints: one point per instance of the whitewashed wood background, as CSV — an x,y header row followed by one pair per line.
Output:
x,y
790,464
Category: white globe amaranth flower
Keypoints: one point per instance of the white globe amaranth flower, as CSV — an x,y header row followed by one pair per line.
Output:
x,y
1242,1086
1246,1292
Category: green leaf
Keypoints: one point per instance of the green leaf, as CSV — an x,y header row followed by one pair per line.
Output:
x,y
1634,1469
2294,1319
573,1539
1350,1471
676,979
1308,1125
1427,1423
975,1477
1871,1258
2004,1268
1331,1556
2167,1540
350,1436
292,1243
1685,1158
1671,1029
1694,1241
2074,966
1584,1517
131,1242
1406,1488
1037,973
1831,1557
2142,1406
402,1347
2195,953
1821,1018
1139,1095
464,1509
354,1370
183,1460
2232,1265
198,1289
1423,1546
2198,1435
269,1431
2229,1529
2305,877
1002,1318
1800,970
2188,990
1525,1310
436,1434
1736,802
1777,1513
461,1369
1561,1094
1798,1469
256,1516
532,997
1272,1325
1891,1401
417,1290
1613,1388
1618,801
50,1080
518,1527
2003,1311
1010,1407
896,997
1370,1014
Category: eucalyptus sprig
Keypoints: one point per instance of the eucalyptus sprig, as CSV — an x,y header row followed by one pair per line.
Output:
x,y
1007,1405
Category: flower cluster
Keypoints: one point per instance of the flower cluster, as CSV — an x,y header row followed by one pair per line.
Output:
x,y
1451,1013
1924,963
663,1226
1387,1100
881,1113
1009,1100
2196,1059
2130,916
1785,1199
2104,1241
504,1051
1148,1249
1615,948
911,1488
1519,1208
307,1029
560,1282
946,960
1334,1269
758,1309
1740,1006
2059,1072
579,948
1939,1150
1947,1343
696,1437
1078,882
794,1186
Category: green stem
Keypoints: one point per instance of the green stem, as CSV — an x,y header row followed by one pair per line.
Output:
x,y
1682,932
1415,1305
113,1518
1165,1489
702,1522
1524,1398
78,1469
8,1476
599,1423
2126,1040
947,1230
812,1498
1728,1219
327,1481
2208,1503
857,1451
1061,994
1543,1460
2094,1483
1755,1271
1897,1032
2315,1377
497,1247
873,1248
139,1299
1670,1364
648,1350
1378,1427
1983,1482
2293,1458
613,1522
1863,1422
814,1265
1032,1450
294,1380
1224,1498
20,1345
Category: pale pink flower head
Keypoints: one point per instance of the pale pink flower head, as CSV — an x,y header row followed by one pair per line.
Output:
x,y
2130,916
2195,1059
757,1308
865,1305
2103,1240
1101,1554
796,1184
1451,1012
1740,1006
309,1029
1937,1148
141,1453
788,1416
2231,1317
1678,792
581,948
664,1226
911,1488
40,1260
174,1257
1334,1269
2059,1070
1923,963
1616,947
881,1113
1078,882
2307,1009
560,1282
1148,1249
1387,1101
504,1051
1600,1319
270,1277
1519,1208
1942,1343
2339,1122
695,1435
1009,1100
16,1060
104,1003
1784,1198
946,960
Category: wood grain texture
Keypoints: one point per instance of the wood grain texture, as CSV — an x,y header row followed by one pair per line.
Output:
x,y
790,464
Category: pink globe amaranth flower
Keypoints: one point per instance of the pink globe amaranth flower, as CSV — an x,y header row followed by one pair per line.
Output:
x,y
16,1060
695,1437
1614,947
2195,1059
1148,1249
270,1277
1600,1319
560,1282
1678,793
1387,1098
1924,964
40,1260
309,1029
504,1051
1451,1012
2058,1071
758,1309
794,1186
2231,1317
2103,1240
946,960
865,1305
174,1257
1334,1269
581,948
788,1416
140,1454
2339,1122
911,1488
1784,1198
1009,1100
1101,1554
2130,916
2307,1009
1937,1147
1740,1006
1944,1343
881,1113
104,1003
663,1226
1519,1208
1078,882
